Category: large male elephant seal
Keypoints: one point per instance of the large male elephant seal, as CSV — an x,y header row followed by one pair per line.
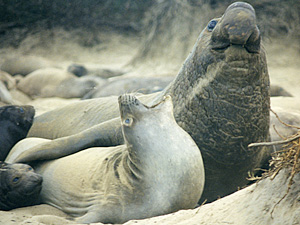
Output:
x,y
19,185
220,96
158,170
15,122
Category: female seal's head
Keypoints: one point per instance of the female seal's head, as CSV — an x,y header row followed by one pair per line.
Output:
x,y
19,185
131,109
137,117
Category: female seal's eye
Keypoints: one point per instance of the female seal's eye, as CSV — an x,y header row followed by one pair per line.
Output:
x,y
128,121
211,25
16,179
30,169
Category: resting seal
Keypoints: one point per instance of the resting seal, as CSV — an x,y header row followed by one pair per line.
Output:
x,y
277,90
157,171
145,85
24,64
220,96
19,186
53,82
15,122
43,82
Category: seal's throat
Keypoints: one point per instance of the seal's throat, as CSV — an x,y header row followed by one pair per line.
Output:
x,y
217,107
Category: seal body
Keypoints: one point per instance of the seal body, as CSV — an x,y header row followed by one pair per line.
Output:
x,y
158,170
228,107
20,186
145,85
43,82
220,96
15,122
24,64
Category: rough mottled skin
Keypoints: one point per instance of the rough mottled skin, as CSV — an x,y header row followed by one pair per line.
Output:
x,y
220,96
230,112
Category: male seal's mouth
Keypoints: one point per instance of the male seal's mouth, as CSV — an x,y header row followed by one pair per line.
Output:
x,y
222,48
237,27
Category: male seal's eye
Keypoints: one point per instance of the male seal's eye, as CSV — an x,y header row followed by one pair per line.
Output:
x,y
21,110
211,25
16,179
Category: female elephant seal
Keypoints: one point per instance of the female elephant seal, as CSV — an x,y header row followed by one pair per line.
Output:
x,y
220,96
158,170
15,122
19,186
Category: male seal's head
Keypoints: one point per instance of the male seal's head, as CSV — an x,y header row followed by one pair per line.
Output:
x,y
19,185
221,98
15,122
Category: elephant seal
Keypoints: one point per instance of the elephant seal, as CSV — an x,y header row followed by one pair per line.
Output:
x,y
53,82
77,87
5,96
24,64
221,97
77,70
15,122
19,185
277,90
158,170
43,82
144,85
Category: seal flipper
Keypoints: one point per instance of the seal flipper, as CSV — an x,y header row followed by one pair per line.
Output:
x,y
105,134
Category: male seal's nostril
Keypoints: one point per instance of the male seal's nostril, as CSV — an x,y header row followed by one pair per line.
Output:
x,y
253,42
237,27
241,26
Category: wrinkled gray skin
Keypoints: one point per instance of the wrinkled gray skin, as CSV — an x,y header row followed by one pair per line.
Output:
x,y
158,170
19,186
220,96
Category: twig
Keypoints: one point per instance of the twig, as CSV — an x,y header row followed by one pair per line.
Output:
x,y
288,125
274,142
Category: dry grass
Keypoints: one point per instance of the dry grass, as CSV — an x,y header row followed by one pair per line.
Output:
x,y
287,157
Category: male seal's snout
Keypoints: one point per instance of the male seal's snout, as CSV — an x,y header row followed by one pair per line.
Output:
x,y
237,27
